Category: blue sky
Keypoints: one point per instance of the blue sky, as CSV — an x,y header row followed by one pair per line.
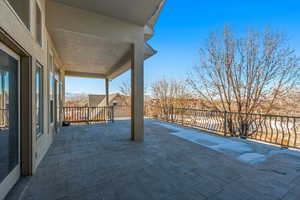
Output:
x,y
183,27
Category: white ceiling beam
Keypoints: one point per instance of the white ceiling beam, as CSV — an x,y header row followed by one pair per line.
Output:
x,y
85,75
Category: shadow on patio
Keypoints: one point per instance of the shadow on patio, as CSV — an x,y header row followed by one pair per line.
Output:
x,y
100,162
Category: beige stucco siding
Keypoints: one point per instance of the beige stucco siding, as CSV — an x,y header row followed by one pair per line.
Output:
x,y
14,27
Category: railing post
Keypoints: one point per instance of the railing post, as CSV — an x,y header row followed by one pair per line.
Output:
x,y
112,114
106,114
225,122
182,116
172,113
88,115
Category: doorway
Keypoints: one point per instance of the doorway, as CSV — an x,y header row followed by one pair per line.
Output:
x,y
9,119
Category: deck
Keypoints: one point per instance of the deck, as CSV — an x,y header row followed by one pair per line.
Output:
x,y
100,162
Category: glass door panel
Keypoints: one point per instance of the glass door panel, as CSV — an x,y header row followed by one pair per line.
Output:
x,y
9,119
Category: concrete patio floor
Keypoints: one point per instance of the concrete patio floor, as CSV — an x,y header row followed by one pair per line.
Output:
x,y
100,162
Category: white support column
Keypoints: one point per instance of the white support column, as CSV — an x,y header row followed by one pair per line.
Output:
x,y
137,92
63,94
107,91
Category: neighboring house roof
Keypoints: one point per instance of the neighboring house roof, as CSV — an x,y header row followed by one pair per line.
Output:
x,y
95,100
100,100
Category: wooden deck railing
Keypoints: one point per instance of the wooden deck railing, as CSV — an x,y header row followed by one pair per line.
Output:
x,y
88,114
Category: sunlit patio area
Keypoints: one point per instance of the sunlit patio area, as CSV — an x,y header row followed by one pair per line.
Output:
x,y
100,161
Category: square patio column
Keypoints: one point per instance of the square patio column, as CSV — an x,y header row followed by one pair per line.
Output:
x,y
63,94
137,92
107,91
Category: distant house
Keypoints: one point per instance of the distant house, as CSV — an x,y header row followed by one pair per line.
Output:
x,y
114,99
121,103
95,100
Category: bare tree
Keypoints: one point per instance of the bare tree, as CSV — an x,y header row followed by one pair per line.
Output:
x,y
245,75
125,88
170,92
289,105
125,91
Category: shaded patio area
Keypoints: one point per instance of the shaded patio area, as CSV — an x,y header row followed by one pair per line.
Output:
x,y
100,162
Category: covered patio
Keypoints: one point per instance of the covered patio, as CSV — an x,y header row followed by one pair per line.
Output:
x,y
100,39
101,162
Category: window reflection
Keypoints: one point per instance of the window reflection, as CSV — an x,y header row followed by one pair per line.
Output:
x,y
39,99
4,102
9,137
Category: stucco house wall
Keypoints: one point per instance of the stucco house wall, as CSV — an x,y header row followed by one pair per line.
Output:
x,y
26,38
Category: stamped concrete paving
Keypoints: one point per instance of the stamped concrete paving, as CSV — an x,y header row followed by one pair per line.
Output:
x,y
100,162
251,152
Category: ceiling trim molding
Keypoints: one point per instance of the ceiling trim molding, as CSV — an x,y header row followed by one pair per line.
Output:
x,y
85,75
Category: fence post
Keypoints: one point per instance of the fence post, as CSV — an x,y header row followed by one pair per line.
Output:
x,y
112,114
88,115
106,114
182,116
172,113
225,122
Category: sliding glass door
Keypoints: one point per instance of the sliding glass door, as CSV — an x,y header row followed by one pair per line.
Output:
x,y
9,120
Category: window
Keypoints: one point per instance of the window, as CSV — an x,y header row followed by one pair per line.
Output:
x,y
51,89
39,99
38,23
22,9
